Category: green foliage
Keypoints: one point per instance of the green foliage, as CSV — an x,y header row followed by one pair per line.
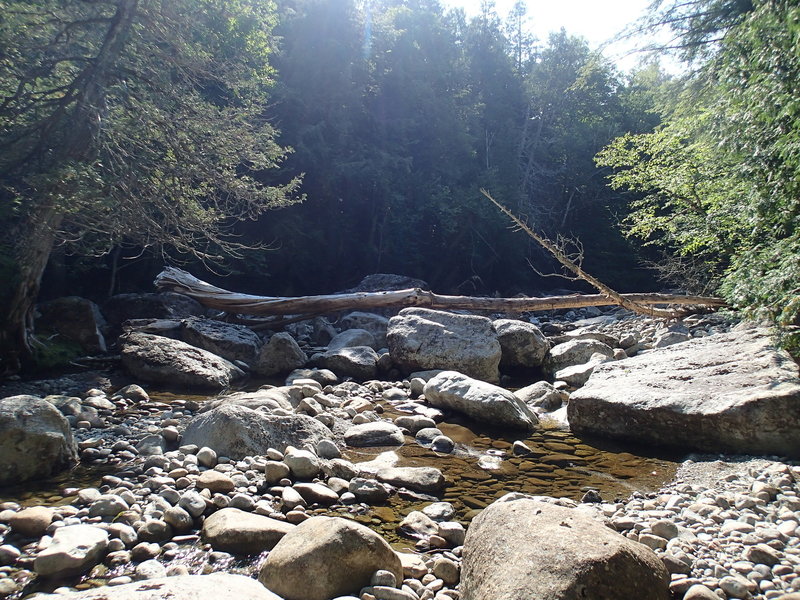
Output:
x,y
138,121
54,352
685,195
721,179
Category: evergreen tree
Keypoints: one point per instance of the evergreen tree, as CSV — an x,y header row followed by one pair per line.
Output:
x,y
719,180
128,119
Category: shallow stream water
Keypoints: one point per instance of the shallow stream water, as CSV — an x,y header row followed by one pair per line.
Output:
x,y
481,469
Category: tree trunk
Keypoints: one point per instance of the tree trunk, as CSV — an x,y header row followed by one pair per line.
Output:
x,y
33,241
33,237
179,281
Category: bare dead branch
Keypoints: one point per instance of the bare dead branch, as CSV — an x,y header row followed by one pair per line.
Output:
x,y
560,256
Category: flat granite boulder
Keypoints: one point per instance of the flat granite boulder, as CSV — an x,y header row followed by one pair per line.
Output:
x,y
231,342
479,400
240,532
378,433
422,479
733,392
74,549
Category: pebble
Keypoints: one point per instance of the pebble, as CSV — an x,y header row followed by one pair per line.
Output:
x,y
150,569
214,481
9,554
8,586
736,537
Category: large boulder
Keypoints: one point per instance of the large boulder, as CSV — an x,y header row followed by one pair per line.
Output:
x,y
240,532
479,400
375,324
421,339
325,557
280,354
733,392
358,362
231,342
165,361
185,587
35,440
525,549
522,344
74,550
75,318
576,352
238,431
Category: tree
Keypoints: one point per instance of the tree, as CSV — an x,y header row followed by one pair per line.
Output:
x,y
721,179
521,42
698,27
138,120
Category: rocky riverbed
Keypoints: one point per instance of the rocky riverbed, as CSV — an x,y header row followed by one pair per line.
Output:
x,y
329,489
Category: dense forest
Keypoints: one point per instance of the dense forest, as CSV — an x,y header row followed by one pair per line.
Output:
x,y
139,132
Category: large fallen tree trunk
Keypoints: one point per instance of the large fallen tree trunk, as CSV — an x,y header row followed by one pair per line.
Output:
x,y
176,280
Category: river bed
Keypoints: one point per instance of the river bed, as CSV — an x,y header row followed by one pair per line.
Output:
x,y
482,468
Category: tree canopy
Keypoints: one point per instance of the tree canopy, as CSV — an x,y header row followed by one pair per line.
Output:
x,y
173,125
719,180
139,121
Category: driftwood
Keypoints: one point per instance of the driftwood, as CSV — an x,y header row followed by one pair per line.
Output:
x,y
176,280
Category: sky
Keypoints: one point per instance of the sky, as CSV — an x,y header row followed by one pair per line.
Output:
x,y
596,20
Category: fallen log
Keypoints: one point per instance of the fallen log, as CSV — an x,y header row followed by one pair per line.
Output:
x,y
177,280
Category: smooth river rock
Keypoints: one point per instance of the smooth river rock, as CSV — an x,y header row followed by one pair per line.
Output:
x,y
481,401
161,360
377,433
239,532
32,521
525,549
216,586
420,339
326,557
237,431
35,440
422,479
733,392
74,550
522,343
